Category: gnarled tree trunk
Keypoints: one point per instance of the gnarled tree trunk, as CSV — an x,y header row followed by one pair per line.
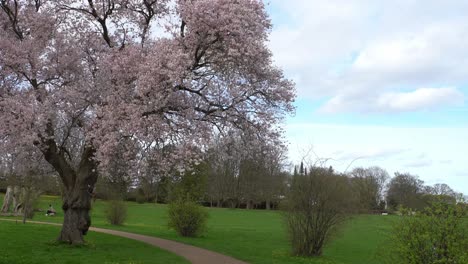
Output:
x,y
78,186
77,200
76,220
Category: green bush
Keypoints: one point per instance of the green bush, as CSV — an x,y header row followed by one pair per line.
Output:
x,y
187,218
438,234
116,212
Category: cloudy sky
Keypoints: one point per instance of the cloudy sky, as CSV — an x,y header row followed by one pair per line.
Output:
x,y
379,83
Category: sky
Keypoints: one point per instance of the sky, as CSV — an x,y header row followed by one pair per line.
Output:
x,y
379,83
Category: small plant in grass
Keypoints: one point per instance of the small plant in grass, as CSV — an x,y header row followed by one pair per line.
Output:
x,y
116,212
438,234
187,218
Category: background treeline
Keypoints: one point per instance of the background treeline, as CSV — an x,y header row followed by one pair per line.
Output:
x,y
237,170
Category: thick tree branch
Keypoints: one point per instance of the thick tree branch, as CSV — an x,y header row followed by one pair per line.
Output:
x,y
55,157
109,9
12,13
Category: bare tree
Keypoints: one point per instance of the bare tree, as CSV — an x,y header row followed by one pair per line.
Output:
x,y
406,190
369,184
246,169
443,189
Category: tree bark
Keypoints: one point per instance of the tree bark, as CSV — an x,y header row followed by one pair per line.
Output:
x,y
76,223
78,186
76,207
77,200
7,200
17,204
268,205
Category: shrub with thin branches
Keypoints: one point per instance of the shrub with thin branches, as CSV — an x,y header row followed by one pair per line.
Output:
x,y
187,218
116,212
317,203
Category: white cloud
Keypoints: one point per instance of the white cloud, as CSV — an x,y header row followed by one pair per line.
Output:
x,y
358,51
371,153
378,56
420,99
446,161
419,163
317,35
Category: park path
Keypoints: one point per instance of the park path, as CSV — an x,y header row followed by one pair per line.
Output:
x,y
195,255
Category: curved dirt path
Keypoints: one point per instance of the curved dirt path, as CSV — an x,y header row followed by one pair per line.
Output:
x,y
195,255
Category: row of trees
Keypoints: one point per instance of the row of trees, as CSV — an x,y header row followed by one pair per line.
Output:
x,y
235,170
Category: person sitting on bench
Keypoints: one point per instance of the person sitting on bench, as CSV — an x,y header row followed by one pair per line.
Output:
x,y
50,211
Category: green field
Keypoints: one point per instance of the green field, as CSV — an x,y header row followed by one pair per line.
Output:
x,y
254,236
32,243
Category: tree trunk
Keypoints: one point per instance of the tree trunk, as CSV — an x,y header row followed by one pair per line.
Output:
x,y
16,198
232,204
7,200
78,184
76,207
18,204
26,204
268,206
76,223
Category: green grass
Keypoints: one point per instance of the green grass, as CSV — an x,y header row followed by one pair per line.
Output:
x,y
257,237
32,243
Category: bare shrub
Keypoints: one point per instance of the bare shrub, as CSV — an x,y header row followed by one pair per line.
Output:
x,y
116,212
318,202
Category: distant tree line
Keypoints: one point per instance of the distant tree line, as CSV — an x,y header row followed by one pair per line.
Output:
x,y
237,170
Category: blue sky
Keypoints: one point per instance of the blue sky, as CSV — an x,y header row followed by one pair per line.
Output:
x,y
379,83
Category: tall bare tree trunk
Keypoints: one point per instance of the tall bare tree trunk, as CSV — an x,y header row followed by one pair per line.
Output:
x,y
268,205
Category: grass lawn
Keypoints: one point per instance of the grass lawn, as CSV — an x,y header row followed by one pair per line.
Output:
x,y
32,243
255,236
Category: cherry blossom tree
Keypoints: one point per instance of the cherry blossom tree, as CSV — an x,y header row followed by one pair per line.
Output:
x,y
78,78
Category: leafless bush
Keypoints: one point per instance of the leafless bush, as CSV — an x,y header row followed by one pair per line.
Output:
x,y
116,212
318,202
